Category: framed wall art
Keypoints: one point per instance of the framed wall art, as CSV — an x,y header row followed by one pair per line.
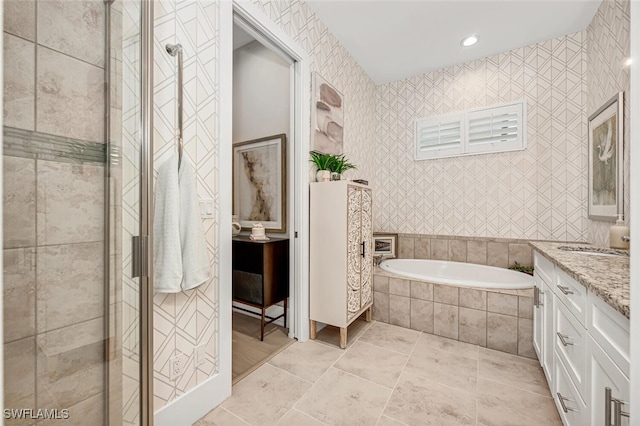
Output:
x,y
328,117
605,160
259,184
385,245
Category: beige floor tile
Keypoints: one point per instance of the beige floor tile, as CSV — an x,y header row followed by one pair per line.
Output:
x,y
220,417
331,335
388,421
448,345
391,337
443,367
308,360
340,398
382,366
265,395
501,405
417,401
298,418
517,371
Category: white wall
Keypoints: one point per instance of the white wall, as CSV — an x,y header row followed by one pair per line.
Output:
x,y
261,93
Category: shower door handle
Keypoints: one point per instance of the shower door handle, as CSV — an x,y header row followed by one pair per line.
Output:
x,y
139,256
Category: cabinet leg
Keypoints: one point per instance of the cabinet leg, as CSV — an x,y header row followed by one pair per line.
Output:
x,y
367,315
343,337
262,326
312,329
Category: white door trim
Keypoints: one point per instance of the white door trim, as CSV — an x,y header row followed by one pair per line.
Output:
x,y
298,155
634,218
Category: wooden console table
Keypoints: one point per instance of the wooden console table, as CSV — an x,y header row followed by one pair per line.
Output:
x,y
261,275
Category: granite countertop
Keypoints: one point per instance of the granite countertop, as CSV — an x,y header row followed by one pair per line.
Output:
x,y
606,276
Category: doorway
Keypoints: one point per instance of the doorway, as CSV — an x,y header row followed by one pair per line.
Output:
x,y
263,77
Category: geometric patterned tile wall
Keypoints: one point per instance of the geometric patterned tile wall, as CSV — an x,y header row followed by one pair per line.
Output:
x,y
333,62
538,193
190,318
608,45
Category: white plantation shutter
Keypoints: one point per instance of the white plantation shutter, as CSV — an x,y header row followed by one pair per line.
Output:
x,y
439,136
493,129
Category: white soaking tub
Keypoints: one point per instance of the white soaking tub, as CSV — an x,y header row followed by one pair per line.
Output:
x,y
458,274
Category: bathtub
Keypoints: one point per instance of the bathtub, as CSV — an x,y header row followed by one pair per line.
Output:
x,y
458,274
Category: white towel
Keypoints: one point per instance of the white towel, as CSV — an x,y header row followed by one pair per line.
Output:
x,y
196,268
167,257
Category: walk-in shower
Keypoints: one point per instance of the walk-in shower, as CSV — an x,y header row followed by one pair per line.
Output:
x,y
76,137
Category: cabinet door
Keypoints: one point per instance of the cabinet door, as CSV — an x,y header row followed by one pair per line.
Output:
x,y
605,374
538,318
367,239
354,250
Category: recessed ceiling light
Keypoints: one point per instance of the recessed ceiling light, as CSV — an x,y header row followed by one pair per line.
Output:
x,y
469,40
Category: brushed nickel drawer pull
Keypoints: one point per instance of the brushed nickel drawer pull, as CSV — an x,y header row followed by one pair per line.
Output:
x,y
564,290
562,399
562,338
536,297
617,409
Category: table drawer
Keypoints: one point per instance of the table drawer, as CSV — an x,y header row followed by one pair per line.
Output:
x,y
571,346
572,294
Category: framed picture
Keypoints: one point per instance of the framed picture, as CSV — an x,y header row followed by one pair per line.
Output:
x,y
328,117
385,245
605,160
259,184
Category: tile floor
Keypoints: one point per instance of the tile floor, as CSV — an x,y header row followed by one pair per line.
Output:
x,y
390,375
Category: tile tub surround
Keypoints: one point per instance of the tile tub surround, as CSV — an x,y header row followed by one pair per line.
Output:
x,y
492,318
606,276
390,375
499,252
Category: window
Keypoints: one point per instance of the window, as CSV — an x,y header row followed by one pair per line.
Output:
x,y
494,129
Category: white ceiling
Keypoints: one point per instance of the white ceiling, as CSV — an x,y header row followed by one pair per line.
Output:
x,y
393,40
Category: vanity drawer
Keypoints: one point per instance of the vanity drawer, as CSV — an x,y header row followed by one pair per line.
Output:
x,y
571,346
572,294
610,329
544,267
571,406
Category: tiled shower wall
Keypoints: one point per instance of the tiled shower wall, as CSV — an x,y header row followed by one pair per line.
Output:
x,y
538,193
608,46
53,206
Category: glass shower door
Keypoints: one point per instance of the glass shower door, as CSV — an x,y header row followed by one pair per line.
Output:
x,y
73,147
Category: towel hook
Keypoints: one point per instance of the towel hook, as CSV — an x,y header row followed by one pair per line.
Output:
x,y
173,50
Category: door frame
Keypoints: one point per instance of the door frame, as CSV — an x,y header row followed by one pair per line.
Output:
x,y
203,398
298,180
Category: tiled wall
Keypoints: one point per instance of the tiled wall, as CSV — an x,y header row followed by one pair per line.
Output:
x,y
538,193
53,209
333,62
608,46
497,319
498,252
188,319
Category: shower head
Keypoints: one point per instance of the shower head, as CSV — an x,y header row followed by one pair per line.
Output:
x,y
173,49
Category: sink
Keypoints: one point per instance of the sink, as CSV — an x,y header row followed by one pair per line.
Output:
x,y
595,251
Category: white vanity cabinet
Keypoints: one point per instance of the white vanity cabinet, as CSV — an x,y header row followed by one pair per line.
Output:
x,y
543,314
341,254
583,346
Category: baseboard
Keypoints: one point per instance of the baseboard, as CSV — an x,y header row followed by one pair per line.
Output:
x,y
194,404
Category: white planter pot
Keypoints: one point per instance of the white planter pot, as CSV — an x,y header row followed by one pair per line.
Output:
x,y
323,176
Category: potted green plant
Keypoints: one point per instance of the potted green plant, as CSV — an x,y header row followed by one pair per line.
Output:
x,y
324,164
341,165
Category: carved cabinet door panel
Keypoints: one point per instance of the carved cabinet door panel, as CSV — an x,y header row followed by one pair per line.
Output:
x,y
367,239
354,246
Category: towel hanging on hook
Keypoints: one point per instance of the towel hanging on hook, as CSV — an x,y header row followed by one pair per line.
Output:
x,y
173,50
